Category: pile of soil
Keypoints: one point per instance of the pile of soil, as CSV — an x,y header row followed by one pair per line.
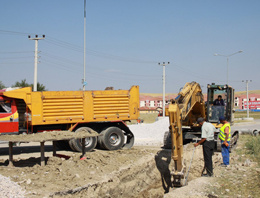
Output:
x,y
138,172
102,174
49,136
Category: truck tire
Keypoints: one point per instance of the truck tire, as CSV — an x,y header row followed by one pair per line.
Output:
x,y
218,145
167,140
71,144
112,138
91,142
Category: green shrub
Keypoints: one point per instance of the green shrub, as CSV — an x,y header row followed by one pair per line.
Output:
x,y
253,147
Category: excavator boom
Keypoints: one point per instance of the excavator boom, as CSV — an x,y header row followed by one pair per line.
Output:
x,y
184,109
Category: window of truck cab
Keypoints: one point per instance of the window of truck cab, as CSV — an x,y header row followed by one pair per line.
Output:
x,y
5,106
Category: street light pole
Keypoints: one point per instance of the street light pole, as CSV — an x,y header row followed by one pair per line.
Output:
x,y
227,56
247,109
163,64
227,68
35,59
84,64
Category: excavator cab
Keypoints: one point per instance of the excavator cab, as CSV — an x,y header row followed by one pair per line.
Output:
x,y
219,102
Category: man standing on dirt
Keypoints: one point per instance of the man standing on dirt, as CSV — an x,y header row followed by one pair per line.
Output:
x,y
207,140
224,136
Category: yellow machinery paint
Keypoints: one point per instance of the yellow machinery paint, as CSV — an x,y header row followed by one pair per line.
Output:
x,y
60,107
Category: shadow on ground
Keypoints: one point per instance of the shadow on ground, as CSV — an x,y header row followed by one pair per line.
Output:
x,y
162,160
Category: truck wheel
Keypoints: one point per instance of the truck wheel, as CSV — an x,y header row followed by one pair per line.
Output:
x,y
112,138
167,141
90,142
218,144
71,144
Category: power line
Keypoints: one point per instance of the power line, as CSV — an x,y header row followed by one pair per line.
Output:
x,y
14,32
19,52
70,46
16,63
10,58
62,59
98,75
96,53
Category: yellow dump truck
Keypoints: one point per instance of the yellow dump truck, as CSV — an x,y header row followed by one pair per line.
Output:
x,y
24,111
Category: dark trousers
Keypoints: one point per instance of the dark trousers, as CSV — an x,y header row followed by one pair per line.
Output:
x,y
208,149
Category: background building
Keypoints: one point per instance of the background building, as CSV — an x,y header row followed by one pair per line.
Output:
x,y
152,103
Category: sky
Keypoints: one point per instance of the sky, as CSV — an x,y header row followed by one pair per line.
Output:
x,y
125,41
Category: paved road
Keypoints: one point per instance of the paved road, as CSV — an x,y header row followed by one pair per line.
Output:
x,y
247,126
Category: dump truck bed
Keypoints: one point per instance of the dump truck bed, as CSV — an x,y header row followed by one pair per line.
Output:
x,y
60,107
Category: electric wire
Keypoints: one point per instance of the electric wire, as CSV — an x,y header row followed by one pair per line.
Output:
x,y
77,64
64,44
70,46
196,75
74,47
10,58
18,52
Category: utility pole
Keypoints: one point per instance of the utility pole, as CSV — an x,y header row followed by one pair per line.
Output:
x,y
35,59
247,109
164,64
84,72
227,56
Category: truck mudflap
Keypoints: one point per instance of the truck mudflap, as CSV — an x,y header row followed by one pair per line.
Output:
x,y
129,141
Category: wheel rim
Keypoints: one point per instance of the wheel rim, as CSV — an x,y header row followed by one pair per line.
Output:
x,y
88,141
114,139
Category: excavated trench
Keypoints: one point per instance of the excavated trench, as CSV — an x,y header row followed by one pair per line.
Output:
x,y
136,180
148,176
138,172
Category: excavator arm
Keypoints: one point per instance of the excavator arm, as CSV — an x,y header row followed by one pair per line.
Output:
x,y
183,111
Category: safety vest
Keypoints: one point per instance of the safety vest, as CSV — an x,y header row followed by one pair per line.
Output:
x,y
222,134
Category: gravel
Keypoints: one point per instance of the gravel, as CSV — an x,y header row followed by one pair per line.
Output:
x,y
10,189
150,134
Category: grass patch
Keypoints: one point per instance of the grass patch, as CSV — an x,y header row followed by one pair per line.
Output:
x,y
146,118
243,114
240,180
253,148
241,121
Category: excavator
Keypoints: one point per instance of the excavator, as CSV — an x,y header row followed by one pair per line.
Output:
x,y
183,112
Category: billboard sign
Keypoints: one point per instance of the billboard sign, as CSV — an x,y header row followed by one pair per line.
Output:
x,y
252,104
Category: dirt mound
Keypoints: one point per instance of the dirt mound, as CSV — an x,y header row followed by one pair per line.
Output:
x,y
48,136
102,174
138,172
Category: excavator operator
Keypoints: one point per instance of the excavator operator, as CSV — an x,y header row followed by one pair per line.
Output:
x,y
219,101
218,107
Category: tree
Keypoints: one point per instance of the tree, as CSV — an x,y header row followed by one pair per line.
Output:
x,y
40,87
2,85
23,83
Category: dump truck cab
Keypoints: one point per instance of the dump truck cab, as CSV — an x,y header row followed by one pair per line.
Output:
x,y
9,122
